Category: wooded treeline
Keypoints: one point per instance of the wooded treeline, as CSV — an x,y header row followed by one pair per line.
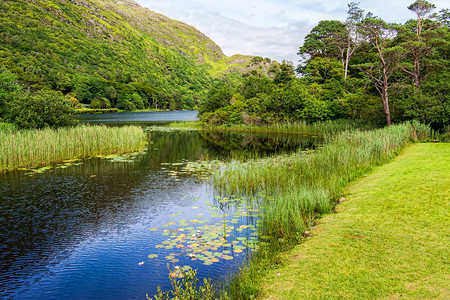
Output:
x,y
363,68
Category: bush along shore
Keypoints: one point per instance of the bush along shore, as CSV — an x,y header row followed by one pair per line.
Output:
x,y
38,147
300,187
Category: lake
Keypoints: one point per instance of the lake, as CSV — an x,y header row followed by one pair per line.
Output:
x,y
116,228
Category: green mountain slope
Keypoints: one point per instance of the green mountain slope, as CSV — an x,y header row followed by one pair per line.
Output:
x,y
114,50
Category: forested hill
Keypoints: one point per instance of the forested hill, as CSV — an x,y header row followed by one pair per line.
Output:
x,y
110,50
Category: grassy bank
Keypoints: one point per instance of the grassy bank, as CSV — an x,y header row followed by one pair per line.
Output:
x,y
33,148
388,240
185,124
302,186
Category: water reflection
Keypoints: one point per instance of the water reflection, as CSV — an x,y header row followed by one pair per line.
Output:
x,y
225,144
80,232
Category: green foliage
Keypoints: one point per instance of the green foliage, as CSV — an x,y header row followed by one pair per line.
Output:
x,y
324,70
9,89
39,147
284,73
373,248
89,48
45,108
302,186
100,103
187,287
325,40
218,96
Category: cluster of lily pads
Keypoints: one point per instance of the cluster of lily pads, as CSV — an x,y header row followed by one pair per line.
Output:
x,y
65,164
123,158
210,242
200,169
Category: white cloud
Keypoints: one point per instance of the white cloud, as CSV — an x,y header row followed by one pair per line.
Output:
x,y
269,28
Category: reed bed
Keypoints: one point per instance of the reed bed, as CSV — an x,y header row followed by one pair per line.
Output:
x,y
301,127
185,124
300,186
33,148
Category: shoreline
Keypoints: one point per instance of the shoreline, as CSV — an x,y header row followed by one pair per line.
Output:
x,y
386,239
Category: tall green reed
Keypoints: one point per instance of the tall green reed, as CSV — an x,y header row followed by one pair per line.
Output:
x,y
301,127
32,148
305,184
300,187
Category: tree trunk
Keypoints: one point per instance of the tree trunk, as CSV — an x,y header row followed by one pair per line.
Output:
x,y
416,72
347,58
385,99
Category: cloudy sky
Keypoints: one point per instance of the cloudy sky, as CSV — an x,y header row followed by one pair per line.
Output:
x,y
270,28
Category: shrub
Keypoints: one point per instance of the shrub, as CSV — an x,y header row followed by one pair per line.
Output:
x,y
45,108
99,103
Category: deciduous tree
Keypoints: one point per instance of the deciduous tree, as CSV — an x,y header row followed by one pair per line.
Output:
x,y
387,58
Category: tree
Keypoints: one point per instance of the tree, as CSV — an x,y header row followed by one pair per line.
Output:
x,y
218,96
45,108
387,58
284,73
323,70
100,103
9,89
111,94
417,35
252,86
327,40
355,16
443,17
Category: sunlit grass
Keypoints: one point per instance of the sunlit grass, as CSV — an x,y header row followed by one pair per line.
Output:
x,y
389,239
32,148
185,124
302,186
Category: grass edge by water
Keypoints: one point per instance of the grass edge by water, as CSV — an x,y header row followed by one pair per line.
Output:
x,y
40,147
307,187
342,260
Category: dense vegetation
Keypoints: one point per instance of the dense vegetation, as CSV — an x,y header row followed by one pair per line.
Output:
x,y
387,240
104,54
299,187
38,147
363,68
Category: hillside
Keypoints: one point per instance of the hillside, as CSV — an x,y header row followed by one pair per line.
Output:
x,y
84,47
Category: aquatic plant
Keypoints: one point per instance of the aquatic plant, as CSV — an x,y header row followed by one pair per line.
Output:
x,y
194,125
187,287
320,128
33,148
305,184
302,186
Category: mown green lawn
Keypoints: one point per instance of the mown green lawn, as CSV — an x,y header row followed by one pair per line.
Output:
x,y
389,239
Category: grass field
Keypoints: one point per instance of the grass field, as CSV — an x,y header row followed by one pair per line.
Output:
x,y
388,240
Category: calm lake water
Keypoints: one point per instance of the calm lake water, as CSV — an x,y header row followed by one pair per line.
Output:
x,y
152,117
85,230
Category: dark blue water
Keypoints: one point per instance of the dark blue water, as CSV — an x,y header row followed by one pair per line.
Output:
x,y
84,231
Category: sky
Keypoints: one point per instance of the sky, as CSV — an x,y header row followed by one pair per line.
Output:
x,y
270,28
